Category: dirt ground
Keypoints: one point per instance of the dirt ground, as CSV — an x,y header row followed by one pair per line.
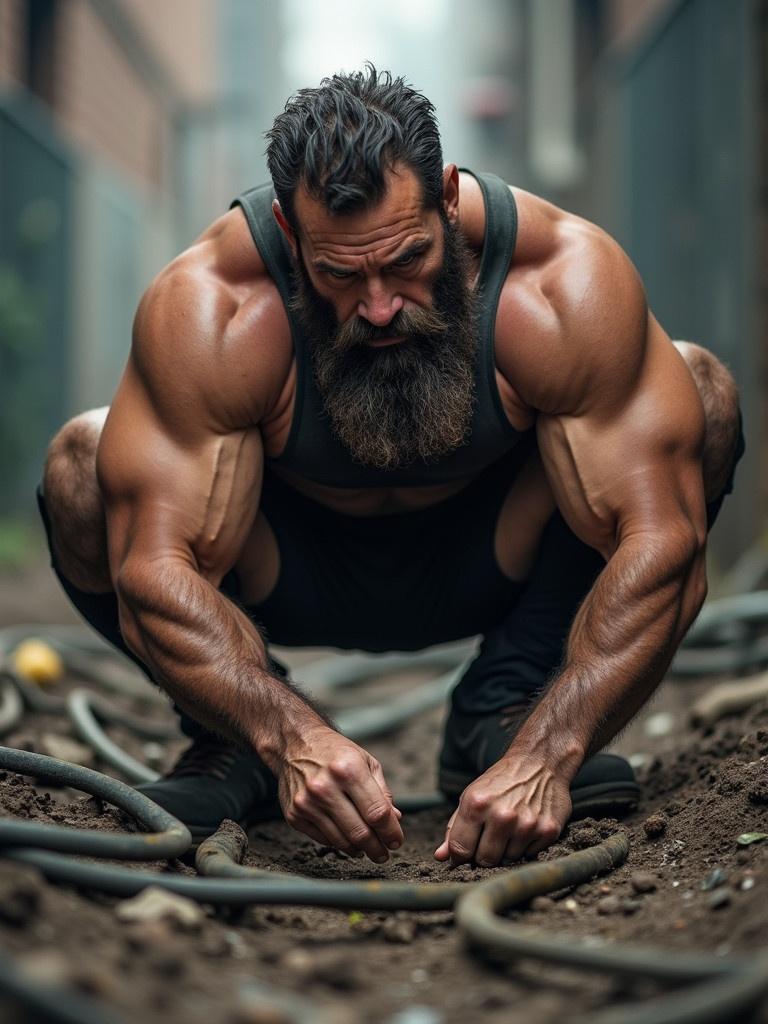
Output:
x,y
687,886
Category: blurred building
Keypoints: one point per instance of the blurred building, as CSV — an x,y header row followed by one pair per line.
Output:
x,y
125,127
649,118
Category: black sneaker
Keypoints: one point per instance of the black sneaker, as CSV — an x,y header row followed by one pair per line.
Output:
x,y
604,786
212,780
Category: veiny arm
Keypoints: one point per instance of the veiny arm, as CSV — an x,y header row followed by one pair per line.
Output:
x,y
620,432
181,485
180,468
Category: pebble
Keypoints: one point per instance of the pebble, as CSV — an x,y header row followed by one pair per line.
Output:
x,y
95,980
655,825
714,879
571,905
402,931
542,904
659,724
20,895
66,749
630,906
604,889
643,881
144,935
155,904
609,905
719,898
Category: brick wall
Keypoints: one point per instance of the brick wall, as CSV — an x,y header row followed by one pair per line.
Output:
x,y
101,102
11,37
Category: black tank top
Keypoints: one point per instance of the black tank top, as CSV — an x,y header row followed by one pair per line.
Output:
x,y
313,450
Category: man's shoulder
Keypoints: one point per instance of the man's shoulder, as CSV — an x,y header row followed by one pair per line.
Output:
x,y
572,315
214,319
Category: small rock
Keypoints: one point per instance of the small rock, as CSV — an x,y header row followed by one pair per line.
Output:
x,y
643,881
95,980
604,889
747,883
66,749
714,879
45,967
20,895
298,961
541,904
402,931
168,965
609,905
156,904
659,724
719,898
145,935
655,825
571,905
630,906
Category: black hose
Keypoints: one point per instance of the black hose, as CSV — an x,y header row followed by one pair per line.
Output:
x,y
728,997
167,838
84,707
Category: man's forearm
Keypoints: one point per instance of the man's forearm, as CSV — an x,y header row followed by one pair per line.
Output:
x,y
620,645
209,657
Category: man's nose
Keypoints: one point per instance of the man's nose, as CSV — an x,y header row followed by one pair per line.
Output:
x,y
379,303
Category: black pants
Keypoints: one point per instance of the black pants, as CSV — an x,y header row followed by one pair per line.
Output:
x,y
408,581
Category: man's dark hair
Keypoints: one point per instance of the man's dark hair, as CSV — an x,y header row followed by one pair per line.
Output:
x,y
340,138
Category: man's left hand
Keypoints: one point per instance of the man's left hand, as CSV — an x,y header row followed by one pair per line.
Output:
x,y
516,808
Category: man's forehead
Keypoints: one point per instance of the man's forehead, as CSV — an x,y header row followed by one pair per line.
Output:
x,y
400,210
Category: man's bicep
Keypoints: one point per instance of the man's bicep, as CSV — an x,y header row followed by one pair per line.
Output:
x,y
182,489
632,465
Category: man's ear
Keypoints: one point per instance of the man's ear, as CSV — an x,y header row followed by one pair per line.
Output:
x,y
451,192
285,227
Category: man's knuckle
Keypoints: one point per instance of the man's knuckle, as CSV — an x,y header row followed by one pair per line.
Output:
x,y
476,802
359,834
319,787
549,829
377,813
344,768
458,849
507,817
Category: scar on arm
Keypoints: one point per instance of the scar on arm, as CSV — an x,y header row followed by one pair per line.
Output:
x,y
221,494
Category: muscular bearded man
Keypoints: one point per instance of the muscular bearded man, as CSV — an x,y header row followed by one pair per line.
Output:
x,y
384,404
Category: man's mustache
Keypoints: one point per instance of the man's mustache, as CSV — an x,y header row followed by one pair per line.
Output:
x,y
407,322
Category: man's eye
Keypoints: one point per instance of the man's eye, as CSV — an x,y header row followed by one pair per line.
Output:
x,y
340,275
404,261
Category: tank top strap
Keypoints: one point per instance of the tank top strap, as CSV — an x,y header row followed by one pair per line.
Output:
x,y
498,246
256,204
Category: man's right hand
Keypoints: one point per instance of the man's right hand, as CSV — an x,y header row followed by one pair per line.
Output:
x,y
334,791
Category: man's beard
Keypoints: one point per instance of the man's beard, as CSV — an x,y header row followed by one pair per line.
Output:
x,y
412,400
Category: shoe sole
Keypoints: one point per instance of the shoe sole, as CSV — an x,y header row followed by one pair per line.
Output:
x,y
602,799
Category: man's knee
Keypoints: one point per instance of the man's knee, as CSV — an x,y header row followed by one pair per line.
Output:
x,y
720,398
73,502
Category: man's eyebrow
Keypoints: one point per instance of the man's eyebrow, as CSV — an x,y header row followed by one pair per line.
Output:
x,y
412,250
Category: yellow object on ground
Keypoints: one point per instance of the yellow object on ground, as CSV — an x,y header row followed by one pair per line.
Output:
x,y
36,660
